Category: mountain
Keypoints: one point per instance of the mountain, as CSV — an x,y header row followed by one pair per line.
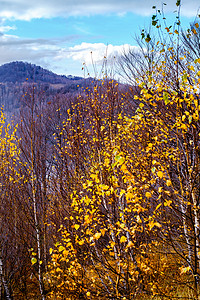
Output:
x,y
19,71
17,77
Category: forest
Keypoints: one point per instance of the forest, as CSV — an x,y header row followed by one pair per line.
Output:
x,y
100,189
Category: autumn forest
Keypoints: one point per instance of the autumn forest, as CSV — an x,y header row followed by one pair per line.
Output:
x,y
100,187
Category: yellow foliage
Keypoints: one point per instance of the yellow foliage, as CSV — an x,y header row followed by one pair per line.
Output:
x,y
138,201
123,239
160,174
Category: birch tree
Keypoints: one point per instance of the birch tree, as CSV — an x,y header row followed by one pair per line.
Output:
x,y
9,158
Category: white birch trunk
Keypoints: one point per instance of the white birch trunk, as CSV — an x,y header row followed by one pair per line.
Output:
x,y
35,207
6,289
3,283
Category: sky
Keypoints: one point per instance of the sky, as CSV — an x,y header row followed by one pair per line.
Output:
x,y
70,36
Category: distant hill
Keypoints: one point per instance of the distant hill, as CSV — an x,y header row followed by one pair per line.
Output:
x,y
19,71
16,77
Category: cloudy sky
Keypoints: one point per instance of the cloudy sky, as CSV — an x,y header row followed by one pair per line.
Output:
x,y
62,35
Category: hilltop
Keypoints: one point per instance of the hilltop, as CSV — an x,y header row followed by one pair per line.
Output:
x,y
17,77
18,71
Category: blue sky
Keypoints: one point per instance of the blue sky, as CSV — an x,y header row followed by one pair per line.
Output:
x,y
61,34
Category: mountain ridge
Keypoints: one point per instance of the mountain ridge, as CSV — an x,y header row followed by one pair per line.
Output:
x,y
17,77
19,71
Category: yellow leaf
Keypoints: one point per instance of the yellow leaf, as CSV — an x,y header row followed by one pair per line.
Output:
x,y
152,224
103,231
167,202
191,68
58,270
130,244
138,219
97,235
194,31
160,174
112,244
150,145
184,127
123,239
157,224
81,242
76,226
107,161
148,195
65,253
61,248
33,260
196,25
168,182
159,205
123,168
184,270
87,219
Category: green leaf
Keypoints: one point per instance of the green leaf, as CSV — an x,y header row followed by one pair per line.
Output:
x,y
184,77
166,98
119,159
33,260
148,38
61,248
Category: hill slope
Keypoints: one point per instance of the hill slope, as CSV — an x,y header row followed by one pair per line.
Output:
x,y
17,77
19,71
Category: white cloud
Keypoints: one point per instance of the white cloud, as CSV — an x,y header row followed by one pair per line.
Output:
x,y
6,28
52,54
95,53
38,51
96,58
26,10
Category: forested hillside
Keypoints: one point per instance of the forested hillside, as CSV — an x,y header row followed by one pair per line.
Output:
x,y
19,71
100,189
17,78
